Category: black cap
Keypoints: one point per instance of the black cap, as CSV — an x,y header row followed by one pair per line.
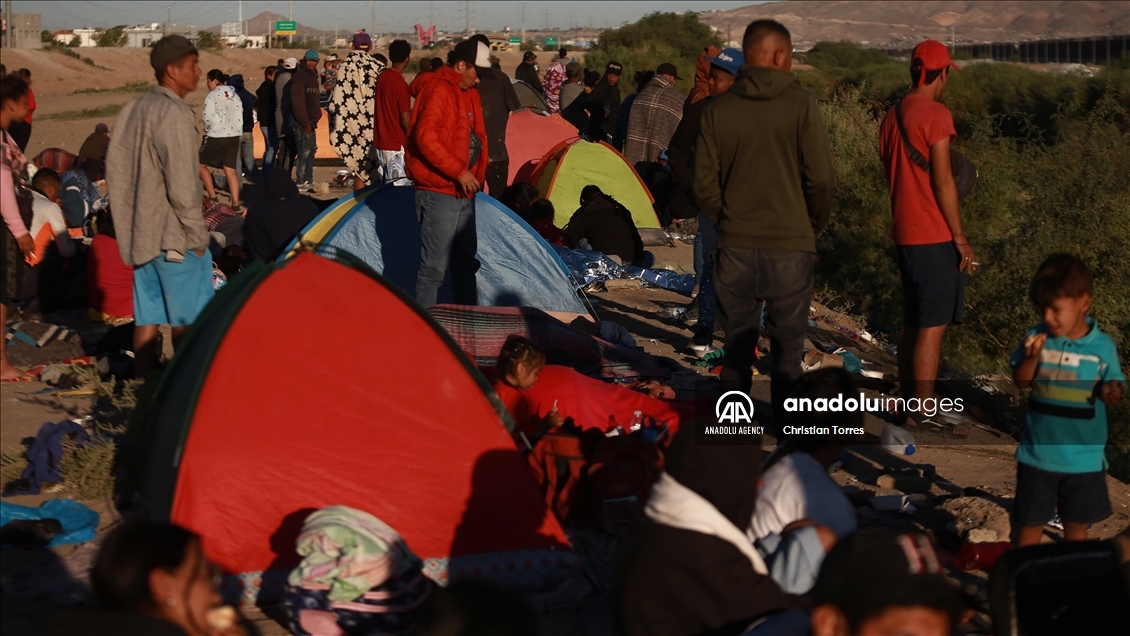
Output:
x,y
668,68
529,55
471,52
614,68
870,571
168,50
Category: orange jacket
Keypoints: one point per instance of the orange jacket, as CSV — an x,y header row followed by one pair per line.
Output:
x,y
439,135
418,83
701,88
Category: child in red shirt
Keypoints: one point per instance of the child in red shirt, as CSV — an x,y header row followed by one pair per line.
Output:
x,y
541,219
519,363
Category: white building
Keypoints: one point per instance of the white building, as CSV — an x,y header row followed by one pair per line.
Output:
x,y
142,36
85,36
245,41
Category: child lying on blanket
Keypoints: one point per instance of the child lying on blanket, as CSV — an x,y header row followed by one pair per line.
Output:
x,y
519,363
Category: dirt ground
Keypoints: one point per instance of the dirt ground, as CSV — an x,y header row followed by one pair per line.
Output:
x,y
971,483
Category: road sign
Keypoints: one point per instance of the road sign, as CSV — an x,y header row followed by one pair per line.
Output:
x,y
286,27
515,40
551,41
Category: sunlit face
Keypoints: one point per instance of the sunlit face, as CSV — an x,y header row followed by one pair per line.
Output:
x,y
468,75
185,595
185,73
16,109
1067,316
525,375
720,81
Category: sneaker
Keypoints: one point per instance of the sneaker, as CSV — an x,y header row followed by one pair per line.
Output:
x,y
306,187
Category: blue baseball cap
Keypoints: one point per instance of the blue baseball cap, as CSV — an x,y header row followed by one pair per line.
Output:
x,y
729,60
311,55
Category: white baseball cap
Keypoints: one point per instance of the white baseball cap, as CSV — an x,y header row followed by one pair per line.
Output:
x,y
290,63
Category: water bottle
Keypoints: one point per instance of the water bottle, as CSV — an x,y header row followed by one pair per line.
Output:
x,y
981,556
637,421
897,440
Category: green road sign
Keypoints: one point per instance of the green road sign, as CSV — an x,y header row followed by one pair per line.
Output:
x,y
551,41
286,27
515,40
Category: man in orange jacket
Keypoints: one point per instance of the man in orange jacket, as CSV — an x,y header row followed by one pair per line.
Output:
x,y
446,157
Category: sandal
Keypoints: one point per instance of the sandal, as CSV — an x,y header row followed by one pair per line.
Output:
x,y
947,430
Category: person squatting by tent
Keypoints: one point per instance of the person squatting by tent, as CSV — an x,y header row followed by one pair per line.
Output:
x,y
446,158
96,144
351,107
276,217
606,227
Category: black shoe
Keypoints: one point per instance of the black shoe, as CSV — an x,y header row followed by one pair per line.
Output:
x,y
702,337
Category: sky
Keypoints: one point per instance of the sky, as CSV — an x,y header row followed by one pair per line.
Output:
x,y
399,16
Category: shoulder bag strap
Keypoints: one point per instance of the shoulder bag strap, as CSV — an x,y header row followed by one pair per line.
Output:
x,y
915,156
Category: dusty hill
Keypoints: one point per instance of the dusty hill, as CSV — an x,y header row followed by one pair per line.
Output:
x,y
260,24
896,24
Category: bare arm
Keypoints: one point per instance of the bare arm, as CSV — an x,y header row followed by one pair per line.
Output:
x,y
405,118
945,192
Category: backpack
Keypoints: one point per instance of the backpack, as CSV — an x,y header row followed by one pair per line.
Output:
x,y
620,475
558,462
964,172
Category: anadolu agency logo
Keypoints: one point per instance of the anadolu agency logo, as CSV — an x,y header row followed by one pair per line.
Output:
x,y
733,421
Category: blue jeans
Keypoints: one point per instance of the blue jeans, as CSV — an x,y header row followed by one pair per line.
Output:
x,y
307,144
447,239
271,142
705,245
247,155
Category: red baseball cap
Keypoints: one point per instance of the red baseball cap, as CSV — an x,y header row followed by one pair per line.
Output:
x,y
932,55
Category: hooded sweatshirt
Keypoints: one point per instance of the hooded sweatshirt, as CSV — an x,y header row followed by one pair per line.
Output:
x,y
275,218
247,99
763,164
305,93
282,102
676,581
701,88
439,135
266,103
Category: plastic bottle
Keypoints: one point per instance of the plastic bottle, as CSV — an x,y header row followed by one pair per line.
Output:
x,y
637,421
897,440
981,556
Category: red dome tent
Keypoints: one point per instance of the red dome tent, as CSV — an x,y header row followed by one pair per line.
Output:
x,y
365,402
529,136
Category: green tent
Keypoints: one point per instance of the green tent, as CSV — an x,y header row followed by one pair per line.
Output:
x,y
573,164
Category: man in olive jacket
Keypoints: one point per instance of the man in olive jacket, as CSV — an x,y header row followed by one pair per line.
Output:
x,y
763,172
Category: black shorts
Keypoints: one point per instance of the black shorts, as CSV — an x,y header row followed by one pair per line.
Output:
x,y
219,152
933,289
1077,497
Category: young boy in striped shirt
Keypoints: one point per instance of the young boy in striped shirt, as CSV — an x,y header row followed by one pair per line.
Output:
x,y
1074,373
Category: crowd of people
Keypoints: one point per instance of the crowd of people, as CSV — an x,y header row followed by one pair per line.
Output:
x,y
730,542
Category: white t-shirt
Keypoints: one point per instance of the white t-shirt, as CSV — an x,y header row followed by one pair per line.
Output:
x,y
798,487
47,225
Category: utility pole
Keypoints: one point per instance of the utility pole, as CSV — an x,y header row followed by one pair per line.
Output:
x,y
241,21
290,16
373,22
168,19
523,24
431,14
467,11
11,31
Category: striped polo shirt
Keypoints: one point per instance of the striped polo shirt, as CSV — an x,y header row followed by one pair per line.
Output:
x,y
1066,427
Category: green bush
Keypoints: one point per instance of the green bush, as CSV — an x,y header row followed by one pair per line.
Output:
x,y
113,37
655,39
208,41
1032,198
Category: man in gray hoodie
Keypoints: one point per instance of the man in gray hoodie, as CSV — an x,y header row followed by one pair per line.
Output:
x,y
151,169
288,145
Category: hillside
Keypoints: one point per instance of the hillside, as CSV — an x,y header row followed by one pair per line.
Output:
x,y
898,23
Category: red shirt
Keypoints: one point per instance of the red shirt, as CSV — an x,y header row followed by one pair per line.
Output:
x,y
916,217
515,401
550,232
30,105
391,99
109,279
